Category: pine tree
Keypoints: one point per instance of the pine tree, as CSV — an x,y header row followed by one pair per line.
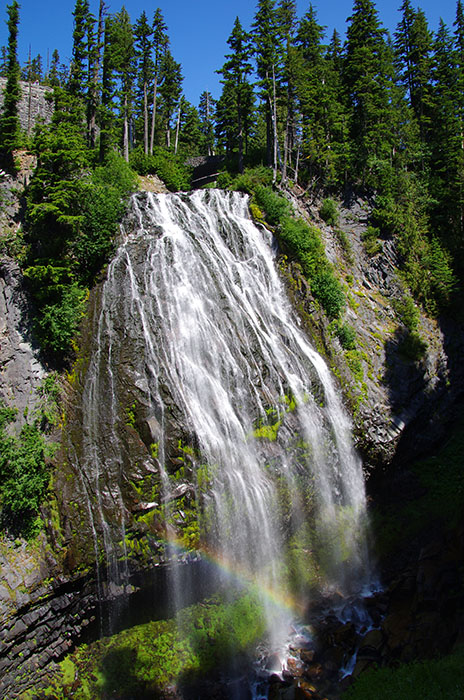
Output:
x,y
78,71
170,92
413,44
268,55
287,23
206,110
235,71
160,46
143,34
447,160
311,88
123,58
367,78
53,76
95,46
9,120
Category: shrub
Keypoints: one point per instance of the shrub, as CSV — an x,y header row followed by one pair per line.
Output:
x,y
24,474
304,242
59,321
329,212
274,206
346,335
165,164
371,241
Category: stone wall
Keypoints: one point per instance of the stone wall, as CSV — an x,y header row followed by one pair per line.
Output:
x,y
33,107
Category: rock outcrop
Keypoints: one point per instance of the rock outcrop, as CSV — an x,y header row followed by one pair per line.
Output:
x,y
34,106
398,404
21,371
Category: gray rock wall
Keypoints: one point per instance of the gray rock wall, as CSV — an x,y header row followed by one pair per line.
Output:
x,y
33,106
20,369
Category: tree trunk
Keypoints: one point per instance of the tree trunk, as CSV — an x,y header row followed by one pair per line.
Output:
x,y
145,118
153,116
126,131
93,96
177,129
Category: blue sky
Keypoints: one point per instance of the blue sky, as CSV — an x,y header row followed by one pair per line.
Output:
x,y
198,29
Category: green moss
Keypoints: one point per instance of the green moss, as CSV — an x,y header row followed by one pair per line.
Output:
x,y
267,432
149,659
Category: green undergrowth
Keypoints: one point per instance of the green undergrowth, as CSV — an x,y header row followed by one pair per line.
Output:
x,y
146,660
441,479
24,462
425,680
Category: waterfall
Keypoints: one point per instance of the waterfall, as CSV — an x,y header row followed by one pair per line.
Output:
x,y
211,424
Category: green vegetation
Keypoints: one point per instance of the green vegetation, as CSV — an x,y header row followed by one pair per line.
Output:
x,y
72,218
371,241
169,167
9,119
304,243
24,472
329,212
442,478
148,659
412,346
425,680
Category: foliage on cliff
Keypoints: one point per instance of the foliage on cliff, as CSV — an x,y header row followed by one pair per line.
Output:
x,y
24,473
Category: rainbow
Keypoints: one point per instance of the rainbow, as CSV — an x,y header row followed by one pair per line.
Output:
x,y
276,596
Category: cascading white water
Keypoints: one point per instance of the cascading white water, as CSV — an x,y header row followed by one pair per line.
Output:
x,y
277,484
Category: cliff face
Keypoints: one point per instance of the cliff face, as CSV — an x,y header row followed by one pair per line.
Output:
x,y
33,107
400,405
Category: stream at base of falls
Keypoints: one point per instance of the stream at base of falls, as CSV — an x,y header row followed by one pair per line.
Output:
x,y
212,428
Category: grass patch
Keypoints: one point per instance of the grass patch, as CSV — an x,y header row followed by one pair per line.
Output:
x,y
426,680
442,478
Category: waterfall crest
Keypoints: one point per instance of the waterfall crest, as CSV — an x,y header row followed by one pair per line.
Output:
x,y
210,423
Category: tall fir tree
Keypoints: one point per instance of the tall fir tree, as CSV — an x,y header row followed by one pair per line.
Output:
x,y
170,92
367,75
235,72
123,56
160,46
143,42
80,54
9,120
268,54
206,110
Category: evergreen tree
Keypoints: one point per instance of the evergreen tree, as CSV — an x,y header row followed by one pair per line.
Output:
x,y
413,45
447,160
108,92
143,35
9,120
367,79
78,71
123,58
268,54
235,71
170,92
160,46
206,110
287,23
53,76
95,46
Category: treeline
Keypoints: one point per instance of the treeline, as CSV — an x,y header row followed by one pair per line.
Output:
x,y
375,113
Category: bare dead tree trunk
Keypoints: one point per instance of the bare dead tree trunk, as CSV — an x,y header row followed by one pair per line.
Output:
x,y
153,116
176,143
